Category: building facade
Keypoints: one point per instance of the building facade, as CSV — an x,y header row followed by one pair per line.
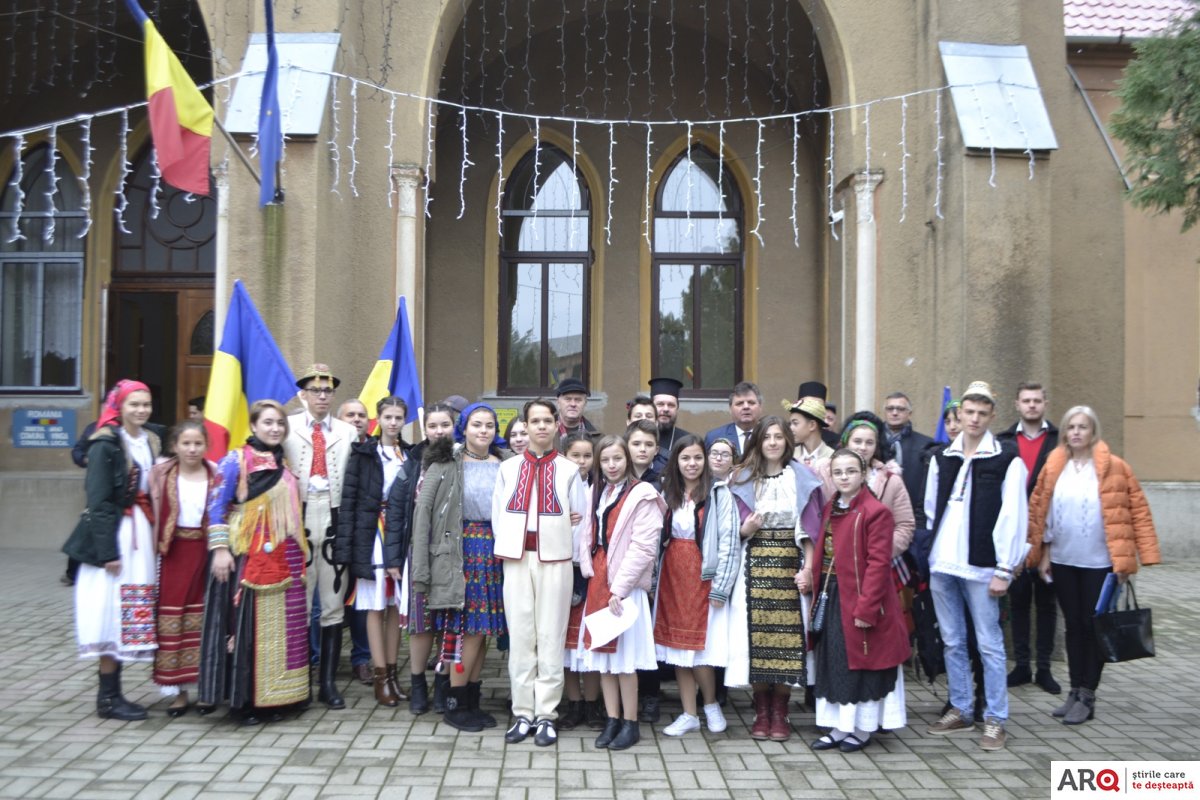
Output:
x,y
553,189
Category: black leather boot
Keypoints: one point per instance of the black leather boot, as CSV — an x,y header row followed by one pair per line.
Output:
x,y
331,654
474,695
418,702
458,712
574,717
629,735
110,704
441,688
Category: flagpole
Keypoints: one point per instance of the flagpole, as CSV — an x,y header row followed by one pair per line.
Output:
x,y
241,156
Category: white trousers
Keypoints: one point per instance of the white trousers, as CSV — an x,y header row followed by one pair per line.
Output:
x,y
321,573
537,603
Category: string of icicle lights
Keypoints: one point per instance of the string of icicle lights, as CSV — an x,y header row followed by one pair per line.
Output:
x,y
351,150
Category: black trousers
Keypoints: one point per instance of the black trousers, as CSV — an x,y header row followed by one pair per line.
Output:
x,y
1028,589
1078,591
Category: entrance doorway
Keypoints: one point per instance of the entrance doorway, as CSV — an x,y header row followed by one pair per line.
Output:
x,y
160,318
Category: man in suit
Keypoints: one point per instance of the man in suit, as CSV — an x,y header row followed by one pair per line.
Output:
x,y
745,408
906,443
1034,437
317,449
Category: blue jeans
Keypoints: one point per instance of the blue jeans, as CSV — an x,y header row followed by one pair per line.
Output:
x,y
953,599
360,648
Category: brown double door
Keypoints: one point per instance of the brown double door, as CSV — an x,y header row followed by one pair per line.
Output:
x,y
162,335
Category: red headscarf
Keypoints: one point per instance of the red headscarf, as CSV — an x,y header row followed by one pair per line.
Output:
x,y
111,413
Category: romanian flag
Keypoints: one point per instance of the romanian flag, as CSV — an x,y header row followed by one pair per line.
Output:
x,y
181,120
395,372
247,367
941,435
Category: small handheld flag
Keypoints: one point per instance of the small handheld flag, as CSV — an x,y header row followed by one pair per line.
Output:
x,y
247,367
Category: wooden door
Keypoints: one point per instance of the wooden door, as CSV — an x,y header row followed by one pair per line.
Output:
x,y
195,348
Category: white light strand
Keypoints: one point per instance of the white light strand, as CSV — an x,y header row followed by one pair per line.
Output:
x,y
867,132
704,59
500,171
687,172
562,50
122,199
728,56
937,149
612,182
18,175
904,156
353,136
335,150
649,60
795,178
758,214
52,184
1012,103
390,149
85,180
720,178
983,126
830,162
537,174
503,53
671,57
604,59
466,162
155,182
574,184
646,189
430,127
529,79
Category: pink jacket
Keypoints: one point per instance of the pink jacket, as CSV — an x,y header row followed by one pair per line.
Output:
x,y
889,488
632,543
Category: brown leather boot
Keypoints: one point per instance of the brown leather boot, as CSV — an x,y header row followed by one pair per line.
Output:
x,y
761,729
781,726
383,689
395,687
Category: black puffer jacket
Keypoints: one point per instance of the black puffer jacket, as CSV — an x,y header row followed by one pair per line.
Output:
x,y
362,491
401,501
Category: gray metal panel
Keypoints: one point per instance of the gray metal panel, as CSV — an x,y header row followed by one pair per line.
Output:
x,y
302,95
996,97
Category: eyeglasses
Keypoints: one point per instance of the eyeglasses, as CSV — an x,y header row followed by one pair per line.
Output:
x,y
895,409
719,454
322,391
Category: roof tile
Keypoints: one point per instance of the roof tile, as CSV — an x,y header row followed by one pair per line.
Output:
x,y
1131,19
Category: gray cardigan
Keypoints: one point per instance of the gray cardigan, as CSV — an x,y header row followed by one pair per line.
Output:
x,y
720,551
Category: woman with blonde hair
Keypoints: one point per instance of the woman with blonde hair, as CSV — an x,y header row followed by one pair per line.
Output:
x,y
1087,517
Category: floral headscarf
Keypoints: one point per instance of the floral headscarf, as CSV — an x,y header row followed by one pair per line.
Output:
x,y
110,414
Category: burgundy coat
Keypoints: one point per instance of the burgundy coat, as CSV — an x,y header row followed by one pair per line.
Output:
x,y
862,552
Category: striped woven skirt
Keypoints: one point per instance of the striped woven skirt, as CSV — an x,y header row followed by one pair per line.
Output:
x,y
774,616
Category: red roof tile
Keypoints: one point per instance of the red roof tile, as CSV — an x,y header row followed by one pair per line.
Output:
x,y
1131,19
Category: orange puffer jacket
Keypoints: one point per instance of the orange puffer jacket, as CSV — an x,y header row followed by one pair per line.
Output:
x,y
1127,522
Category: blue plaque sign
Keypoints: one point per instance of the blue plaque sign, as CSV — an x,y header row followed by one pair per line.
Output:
x,y
43,427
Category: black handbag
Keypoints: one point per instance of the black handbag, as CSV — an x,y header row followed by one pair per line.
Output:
x,y
820,608
1125,634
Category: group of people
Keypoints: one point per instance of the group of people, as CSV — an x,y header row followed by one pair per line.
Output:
x,y
770,554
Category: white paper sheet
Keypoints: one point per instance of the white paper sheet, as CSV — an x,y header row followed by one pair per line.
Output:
x,y
606,626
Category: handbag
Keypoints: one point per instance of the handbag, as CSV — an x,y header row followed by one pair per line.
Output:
x,y
820,609
1125,634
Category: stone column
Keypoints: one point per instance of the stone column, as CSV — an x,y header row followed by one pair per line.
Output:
x,y
221,284
410,261
865,324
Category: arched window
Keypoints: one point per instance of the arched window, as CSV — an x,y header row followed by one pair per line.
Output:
x,y
545,274
696,306
41,276
180,240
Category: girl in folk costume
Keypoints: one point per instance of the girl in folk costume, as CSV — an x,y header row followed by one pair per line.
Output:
x,y
861,639
179,489
862,435
617,555
397,546
700,559
115,590
372,469
582,704
781,500
453,560
254,649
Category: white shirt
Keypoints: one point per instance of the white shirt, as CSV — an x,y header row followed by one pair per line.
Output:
x,y
393,461
1075,524
951,543
319,483
139,452
193,496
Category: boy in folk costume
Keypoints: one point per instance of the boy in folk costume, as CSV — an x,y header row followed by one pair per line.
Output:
x,y
538,509
317,448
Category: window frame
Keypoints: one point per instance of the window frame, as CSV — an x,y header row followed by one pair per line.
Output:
x,y
697,260
42,261
511,259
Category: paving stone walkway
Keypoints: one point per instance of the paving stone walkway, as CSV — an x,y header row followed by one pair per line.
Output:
x,y
52,744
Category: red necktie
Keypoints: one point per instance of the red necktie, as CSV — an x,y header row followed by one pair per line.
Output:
x,y
318,461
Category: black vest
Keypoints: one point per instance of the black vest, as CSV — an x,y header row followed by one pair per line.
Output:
x,y
987,483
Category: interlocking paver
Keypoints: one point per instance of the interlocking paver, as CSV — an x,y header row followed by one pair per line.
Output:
x,y
52,745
